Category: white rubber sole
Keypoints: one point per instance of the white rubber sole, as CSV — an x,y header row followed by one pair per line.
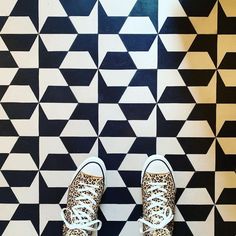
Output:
x,y
153,158
95,160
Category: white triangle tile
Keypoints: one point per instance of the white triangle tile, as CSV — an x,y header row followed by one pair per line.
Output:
x,y
145,128
49,8
7,143
136,194
117,144
50,77
133,162
7,211
137,95
112,211
58,42
113,179
78,60
146,60
87,94
49,145
58,111
117,78
109,43
28,127
86,24
28,195
21,93
7,75
78,128
20,227
6,7
19,25
19,161
130,228
138,25
109,112
27,59
118,7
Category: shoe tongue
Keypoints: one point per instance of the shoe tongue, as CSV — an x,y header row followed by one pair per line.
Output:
x,y
76,232
160,232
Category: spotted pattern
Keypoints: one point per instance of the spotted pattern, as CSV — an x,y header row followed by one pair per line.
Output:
x,y
73,194
169,195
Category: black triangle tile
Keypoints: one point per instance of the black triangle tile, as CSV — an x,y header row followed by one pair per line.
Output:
x,y
78,77
86,111
19,110
19,42
58,25
144,145
117,129
49,195
19,178
7,196
168,60
196,77
150,80
224,162
137,111
7,60
131,178
205,112
195,212
167,128
144,8
58,162
108,94
78,7
117,195
53,228
28,145
78,145
206,43
87,42
28,212
49,59
195,145
108,25
204,180
198,8
226,25
27,8
179,162
117,60
7,128
28,77
177,25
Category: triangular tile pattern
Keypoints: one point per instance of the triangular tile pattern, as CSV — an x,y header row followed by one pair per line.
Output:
x,y
121,80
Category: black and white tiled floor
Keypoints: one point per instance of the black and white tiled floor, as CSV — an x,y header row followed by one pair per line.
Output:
x,y
121,79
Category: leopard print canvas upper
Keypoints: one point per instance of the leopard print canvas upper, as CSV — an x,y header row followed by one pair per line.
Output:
x,y
169,195
73,194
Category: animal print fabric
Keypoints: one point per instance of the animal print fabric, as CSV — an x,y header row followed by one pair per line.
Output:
x,y
73,194
169,195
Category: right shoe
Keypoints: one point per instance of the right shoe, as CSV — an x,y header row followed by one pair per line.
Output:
x,y
158,195
84,196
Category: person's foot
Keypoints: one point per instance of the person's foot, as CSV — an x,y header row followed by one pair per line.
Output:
x,y
158,193
84,196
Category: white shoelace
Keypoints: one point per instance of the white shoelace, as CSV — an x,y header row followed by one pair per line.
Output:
x,y
161,217
79,218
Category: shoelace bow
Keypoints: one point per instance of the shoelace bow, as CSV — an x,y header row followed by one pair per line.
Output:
x,y
161,217
79,218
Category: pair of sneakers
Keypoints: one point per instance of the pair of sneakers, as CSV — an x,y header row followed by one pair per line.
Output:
x,y
88,186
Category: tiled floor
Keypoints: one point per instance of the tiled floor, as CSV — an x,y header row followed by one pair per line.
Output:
x,y
120,79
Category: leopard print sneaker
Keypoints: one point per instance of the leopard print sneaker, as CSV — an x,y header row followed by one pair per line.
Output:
x,y
84,196
158,195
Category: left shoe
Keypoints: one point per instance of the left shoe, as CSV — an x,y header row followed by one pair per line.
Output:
x,y
84,196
